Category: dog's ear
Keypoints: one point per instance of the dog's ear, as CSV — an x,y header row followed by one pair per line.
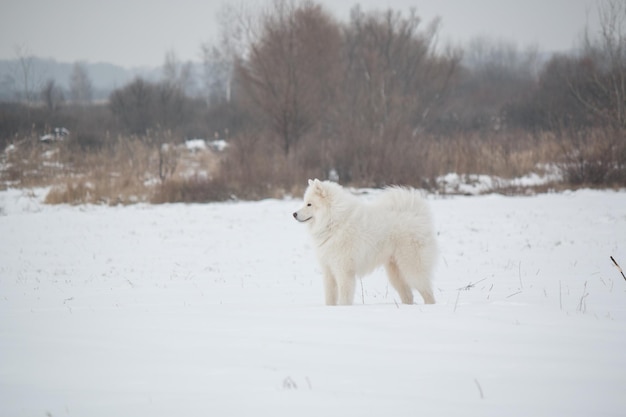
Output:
x,y
315,183
319,188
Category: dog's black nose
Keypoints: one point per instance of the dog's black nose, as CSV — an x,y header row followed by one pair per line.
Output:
x,y
295,215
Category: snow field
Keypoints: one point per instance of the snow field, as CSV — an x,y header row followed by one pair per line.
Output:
x,y
218,309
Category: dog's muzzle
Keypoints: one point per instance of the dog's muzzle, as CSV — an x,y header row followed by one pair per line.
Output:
x,y
295,216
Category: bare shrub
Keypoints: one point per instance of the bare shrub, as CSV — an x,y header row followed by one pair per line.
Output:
x,y
418,160
196,189
88,140
594,157
255,167
112,176
72,192
142,105
31,163
506,154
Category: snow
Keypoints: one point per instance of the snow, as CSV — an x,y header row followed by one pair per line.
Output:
x,y
475,184
217,309
218,145
195,145
59,133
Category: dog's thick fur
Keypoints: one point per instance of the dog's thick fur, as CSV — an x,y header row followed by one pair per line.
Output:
x,y
352,238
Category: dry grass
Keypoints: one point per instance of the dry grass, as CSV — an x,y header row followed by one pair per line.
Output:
x,y
192,190
133,169
595,158
29,163
506,155
417,161
118,175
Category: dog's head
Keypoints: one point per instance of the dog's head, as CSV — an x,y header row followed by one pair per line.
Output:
x,y
316,202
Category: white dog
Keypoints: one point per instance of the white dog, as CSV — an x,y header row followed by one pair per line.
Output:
x,y
353,238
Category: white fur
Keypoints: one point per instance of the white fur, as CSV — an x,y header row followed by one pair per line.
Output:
x,y
353,238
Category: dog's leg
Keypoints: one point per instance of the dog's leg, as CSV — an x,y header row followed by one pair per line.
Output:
x,y
345,286
427,294
417,273
330,287
397,281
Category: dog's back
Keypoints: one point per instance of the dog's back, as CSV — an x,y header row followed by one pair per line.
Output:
x,y
402,199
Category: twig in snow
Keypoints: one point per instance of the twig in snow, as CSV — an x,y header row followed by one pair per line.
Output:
x,y
619,268
515,293
289,383
69,307
470,285
362,293
467,288
480,389
582,305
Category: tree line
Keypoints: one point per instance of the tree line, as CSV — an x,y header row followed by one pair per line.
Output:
x,y
293,82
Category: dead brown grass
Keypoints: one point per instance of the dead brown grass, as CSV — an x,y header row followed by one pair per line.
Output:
x,y
195,189
118,175
506,155
128,171
594,158
418,160
134,169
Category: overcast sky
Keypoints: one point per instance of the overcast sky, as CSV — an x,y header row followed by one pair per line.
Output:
x,y
135,33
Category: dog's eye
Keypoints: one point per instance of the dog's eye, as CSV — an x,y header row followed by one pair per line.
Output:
x,y
308,205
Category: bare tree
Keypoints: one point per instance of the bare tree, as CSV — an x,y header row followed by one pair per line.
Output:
x,y
601,84
500,58
394,76
142,105
290,72
170,106
218,72
495,73
28,77
133,105
52,95
238,29
81,89
176,74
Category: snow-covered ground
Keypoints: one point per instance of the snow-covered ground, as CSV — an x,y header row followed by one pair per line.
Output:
x,y
217,310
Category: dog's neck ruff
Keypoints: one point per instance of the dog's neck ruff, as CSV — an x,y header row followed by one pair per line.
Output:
x,y
319,245
323,236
